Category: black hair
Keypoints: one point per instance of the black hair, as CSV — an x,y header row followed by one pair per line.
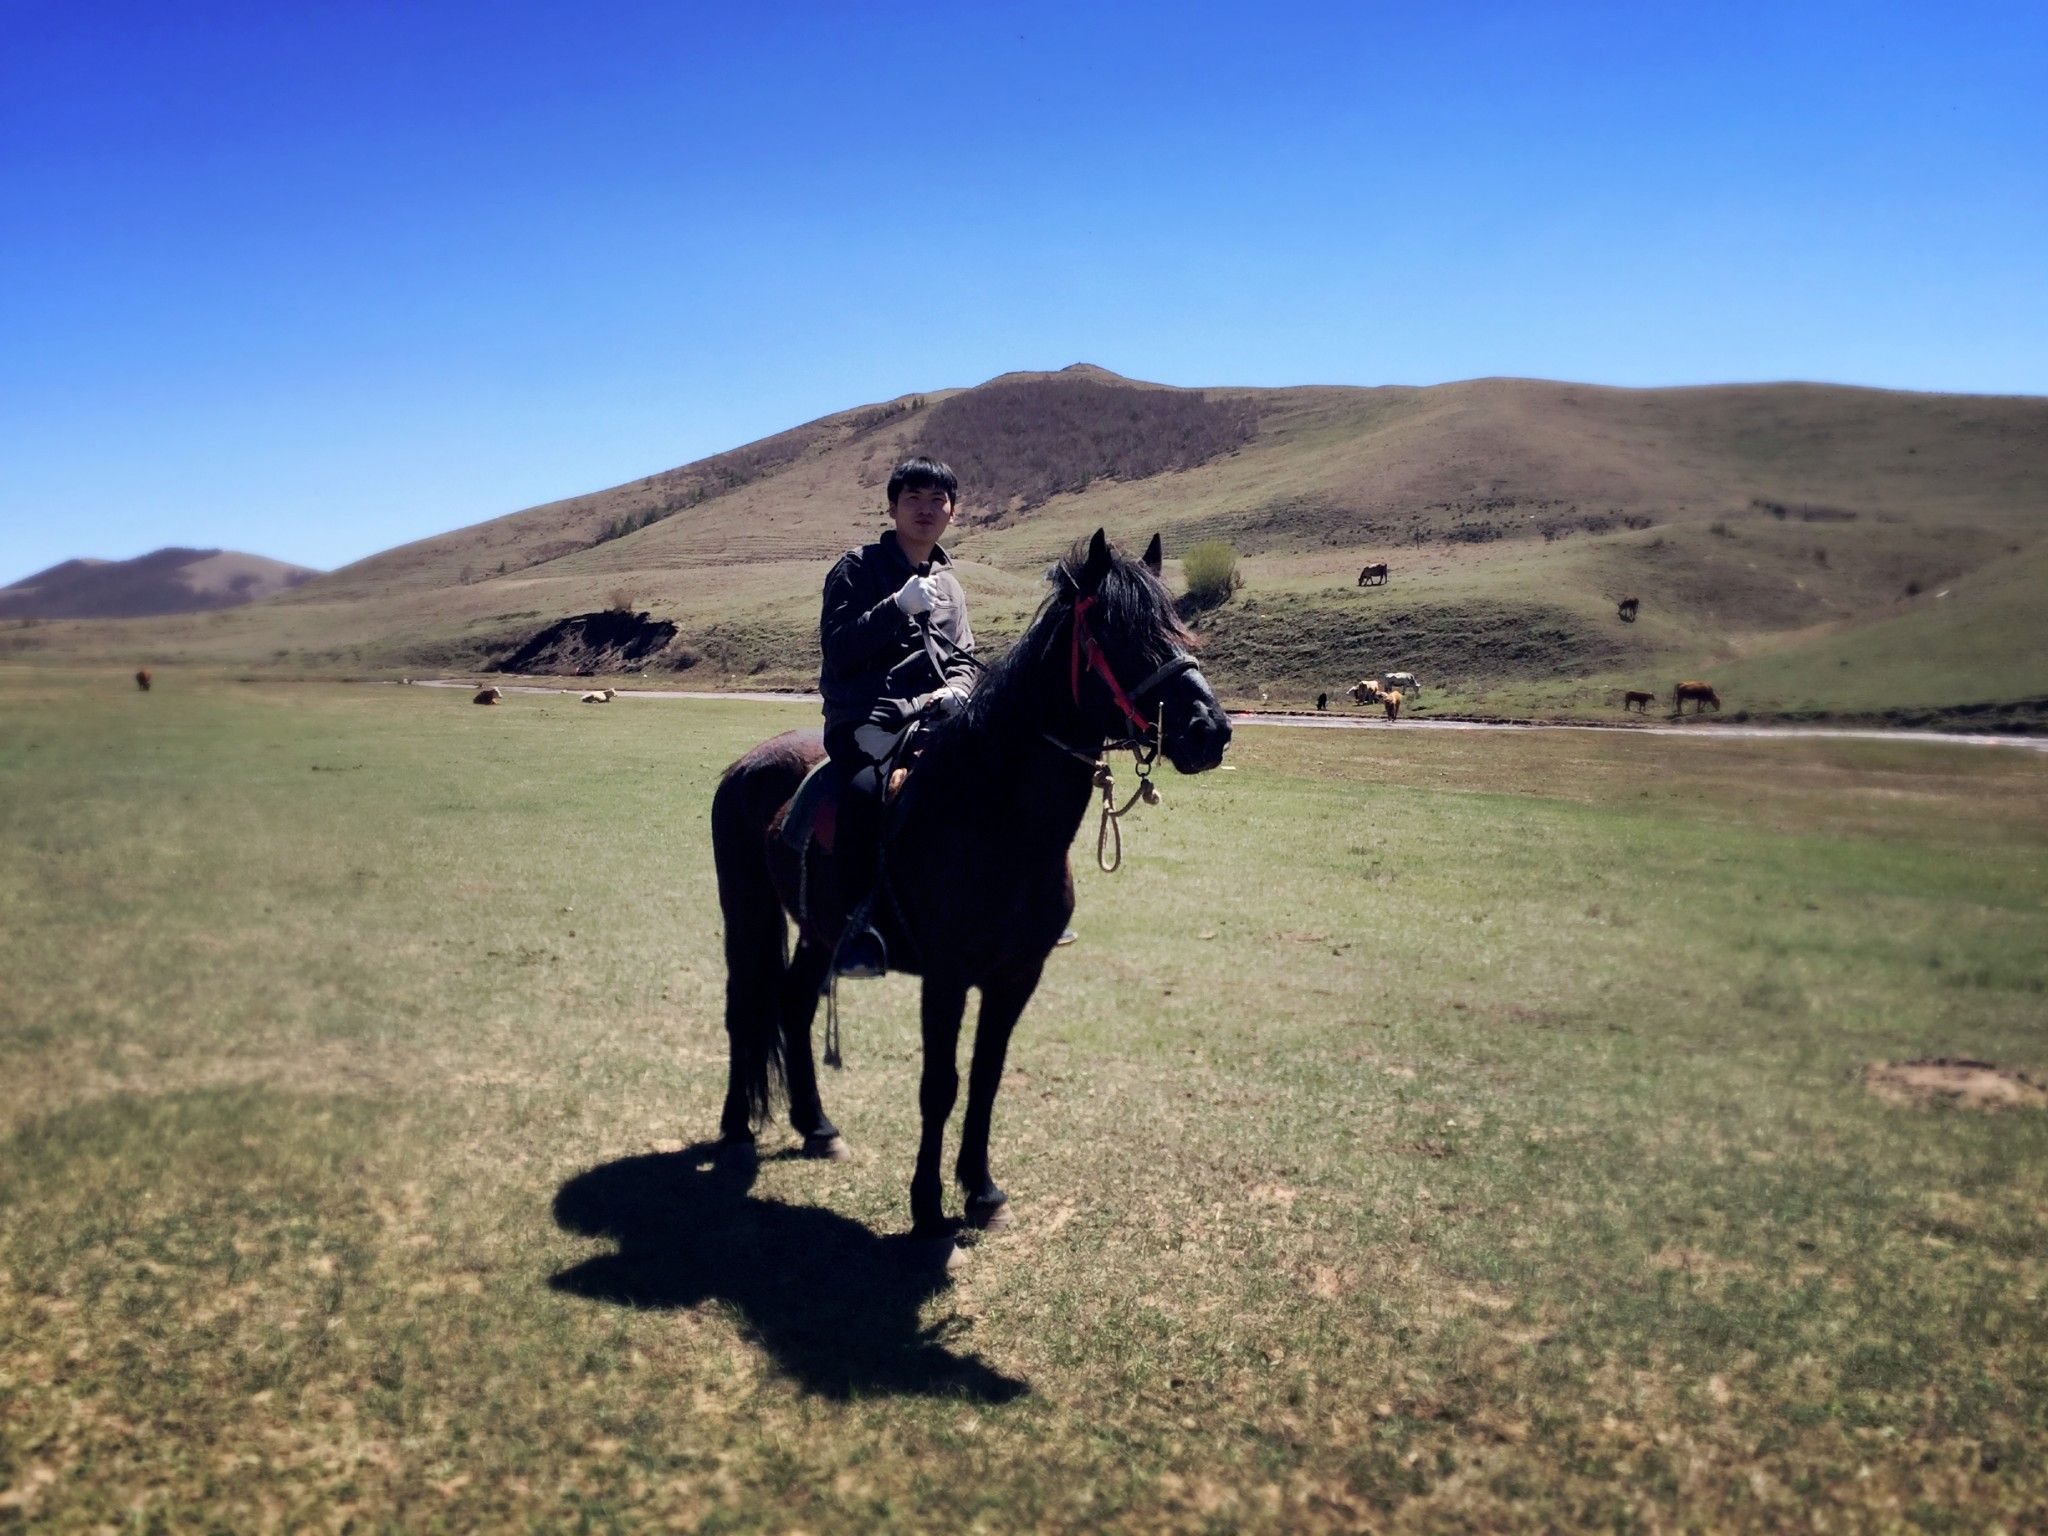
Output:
x,y
915,474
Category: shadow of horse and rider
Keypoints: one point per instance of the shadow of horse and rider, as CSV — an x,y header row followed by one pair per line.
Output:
x,y
836,1306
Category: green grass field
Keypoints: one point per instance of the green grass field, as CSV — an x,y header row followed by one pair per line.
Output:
x,y
1430,1131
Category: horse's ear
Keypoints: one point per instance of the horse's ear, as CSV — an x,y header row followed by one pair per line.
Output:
x,y
1098,562
1153,555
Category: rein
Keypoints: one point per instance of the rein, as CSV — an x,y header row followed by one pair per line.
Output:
x,y
933,639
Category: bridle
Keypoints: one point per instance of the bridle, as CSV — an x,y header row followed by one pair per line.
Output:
x,y
1085,653
1143,744
1085,648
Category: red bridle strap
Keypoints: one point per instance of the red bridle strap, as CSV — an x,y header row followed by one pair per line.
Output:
x,y
1084,641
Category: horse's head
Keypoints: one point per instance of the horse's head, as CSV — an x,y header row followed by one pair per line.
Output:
x,y
1129,667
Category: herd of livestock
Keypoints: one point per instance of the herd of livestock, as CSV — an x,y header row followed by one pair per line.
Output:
x,y
1391,689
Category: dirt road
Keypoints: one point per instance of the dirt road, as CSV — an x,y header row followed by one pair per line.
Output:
x,y
1705,730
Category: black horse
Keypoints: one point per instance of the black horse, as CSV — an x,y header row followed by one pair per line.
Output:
x,y
978,887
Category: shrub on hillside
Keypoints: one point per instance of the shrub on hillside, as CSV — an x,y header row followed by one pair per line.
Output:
x,y
1473,533
629,522
1211,571
1028,441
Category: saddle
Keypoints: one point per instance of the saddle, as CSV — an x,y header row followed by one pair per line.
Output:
x,y
811,826
813,812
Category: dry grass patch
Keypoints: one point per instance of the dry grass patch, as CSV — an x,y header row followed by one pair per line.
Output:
x,y
1956,1081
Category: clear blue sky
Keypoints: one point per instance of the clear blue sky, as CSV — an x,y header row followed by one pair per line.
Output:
x,y
313,279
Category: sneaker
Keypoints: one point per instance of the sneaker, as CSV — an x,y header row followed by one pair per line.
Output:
x,y
1067,936
862,956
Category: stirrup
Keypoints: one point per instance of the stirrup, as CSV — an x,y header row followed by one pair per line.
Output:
x,y
861,956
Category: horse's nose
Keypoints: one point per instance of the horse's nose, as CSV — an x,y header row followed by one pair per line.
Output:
x,y
1207,735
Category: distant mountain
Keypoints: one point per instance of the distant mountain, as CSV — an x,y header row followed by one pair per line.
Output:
x,y
166,581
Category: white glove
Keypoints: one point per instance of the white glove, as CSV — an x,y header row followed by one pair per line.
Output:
x,y
945,702
918,595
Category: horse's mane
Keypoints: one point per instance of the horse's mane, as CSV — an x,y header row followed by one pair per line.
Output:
x,y
1130,600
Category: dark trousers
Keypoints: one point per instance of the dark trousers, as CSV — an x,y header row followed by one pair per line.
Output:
x,y
860,816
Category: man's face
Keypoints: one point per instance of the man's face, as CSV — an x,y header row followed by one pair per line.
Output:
x,y
921,513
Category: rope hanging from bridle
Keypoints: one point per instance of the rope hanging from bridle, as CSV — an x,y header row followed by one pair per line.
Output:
x,y
1109,836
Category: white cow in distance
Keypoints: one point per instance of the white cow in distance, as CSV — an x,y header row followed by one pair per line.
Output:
x,y
602,696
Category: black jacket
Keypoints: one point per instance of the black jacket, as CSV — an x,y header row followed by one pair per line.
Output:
x,y
872,648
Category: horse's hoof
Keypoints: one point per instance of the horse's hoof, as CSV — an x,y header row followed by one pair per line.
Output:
x,y
989,1215
736,1149
931,1228
939,1250
831,1149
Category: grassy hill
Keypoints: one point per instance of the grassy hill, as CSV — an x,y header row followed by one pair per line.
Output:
x,y
1815,550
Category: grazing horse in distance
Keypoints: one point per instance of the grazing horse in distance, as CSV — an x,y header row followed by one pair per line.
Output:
x,y
975,888
1701,695
1366,691
142,678
1627,609
1374,575
487,696
1636,700
1391,699
1322,701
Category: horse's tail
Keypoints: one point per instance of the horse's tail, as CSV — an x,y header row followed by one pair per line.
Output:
x,y
756,940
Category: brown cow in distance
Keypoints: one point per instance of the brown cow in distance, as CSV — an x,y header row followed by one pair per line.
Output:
x,y
1391,698
1637,701
1701,694
1627,609
1374,575
142,679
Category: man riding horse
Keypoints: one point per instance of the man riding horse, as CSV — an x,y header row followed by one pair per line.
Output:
x,y
977,885
880,604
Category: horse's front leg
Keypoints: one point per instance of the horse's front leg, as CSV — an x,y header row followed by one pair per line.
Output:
x,y
1001,1005
944,1002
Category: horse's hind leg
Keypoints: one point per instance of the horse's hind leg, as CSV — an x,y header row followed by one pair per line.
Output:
x,y
800,983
